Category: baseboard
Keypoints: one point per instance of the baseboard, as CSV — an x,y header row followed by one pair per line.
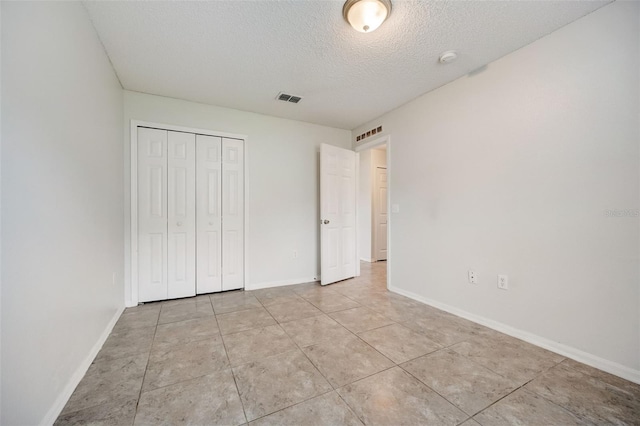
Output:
x,y
258,286
614,368
366,259
64,396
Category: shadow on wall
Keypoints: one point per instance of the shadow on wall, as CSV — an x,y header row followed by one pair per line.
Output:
x,y
478,71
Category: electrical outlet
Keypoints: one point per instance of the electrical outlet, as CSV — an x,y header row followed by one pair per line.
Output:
x,y
295,254
473,277
503,282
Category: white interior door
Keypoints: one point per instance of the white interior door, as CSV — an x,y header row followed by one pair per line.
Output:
x,y
181,200
232,214
380,213
337,213
152,214
209,213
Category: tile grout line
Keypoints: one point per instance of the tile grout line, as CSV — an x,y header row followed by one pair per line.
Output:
x,y
233,375
144,376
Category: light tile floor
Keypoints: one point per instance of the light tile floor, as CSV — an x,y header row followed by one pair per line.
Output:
x,y
346,354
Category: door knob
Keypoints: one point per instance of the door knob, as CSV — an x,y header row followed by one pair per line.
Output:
x,y
325,221
211,223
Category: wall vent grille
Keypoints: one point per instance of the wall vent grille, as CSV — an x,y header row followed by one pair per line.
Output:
x,y
288,98
369,133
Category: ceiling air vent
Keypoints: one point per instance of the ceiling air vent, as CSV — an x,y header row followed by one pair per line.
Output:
x,y
288,98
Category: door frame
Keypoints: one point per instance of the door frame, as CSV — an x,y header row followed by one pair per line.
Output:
x,y
131,298
382,140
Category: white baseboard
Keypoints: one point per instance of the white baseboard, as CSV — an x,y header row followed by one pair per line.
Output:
x,y
258,286
366,259
564,350
64,396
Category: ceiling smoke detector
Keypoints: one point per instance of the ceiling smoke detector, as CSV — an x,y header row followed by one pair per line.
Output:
x,y
448,57
288,98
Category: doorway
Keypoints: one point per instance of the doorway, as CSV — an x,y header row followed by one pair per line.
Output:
x,y
373,202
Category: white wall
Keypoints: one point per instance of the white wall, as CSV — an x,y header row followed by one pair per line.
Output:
x,y
282,181
62,191
370,160
511,171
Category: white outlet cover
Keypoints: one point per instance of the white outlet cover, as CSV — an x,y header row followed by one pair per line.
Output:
x,y
395,208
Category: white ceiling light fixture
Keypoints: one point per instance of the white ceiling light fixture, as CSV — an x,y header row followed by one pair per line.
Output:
x,y
366,15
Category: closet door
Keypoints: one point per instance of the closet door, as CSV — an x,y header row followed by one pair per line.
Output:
x,y
232,214
152,214
181,258
209,213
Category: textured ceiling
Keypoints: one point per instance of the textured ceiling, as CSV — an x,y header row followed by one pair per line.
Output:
x,y
240,54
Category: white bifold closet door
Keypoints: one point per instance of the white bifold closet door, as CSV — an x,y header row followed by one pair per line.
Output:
x,y
152,214
220,214
181,201
209,213
190,214
166,214
232,214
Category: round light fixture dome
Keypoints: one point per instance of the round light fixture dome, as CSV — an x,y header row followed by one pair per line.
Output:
x,y
366,15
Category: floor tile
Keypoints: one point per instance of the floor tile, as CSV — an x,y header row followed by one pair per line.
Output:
x,y
137,318
108,380
183,362
610,379
587,397
274,300
393,397
310,331
293,310
446,329
471,387
525,408
394,311
125,343
398,343
363,293
174,341
265,293
360,319
278,382
511,358
255,344
185,309
332,302
112,413
244,320
327,409
346,360
207,400
313,289
179,332
224,303
149,306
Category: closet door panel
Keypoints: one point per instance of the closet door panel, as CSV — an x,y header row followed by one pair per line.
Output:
x,y
181,260
232,214
152,214
209,213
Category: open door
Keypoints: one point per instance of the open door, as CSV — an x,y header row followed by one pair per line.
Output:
x,y
337,214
